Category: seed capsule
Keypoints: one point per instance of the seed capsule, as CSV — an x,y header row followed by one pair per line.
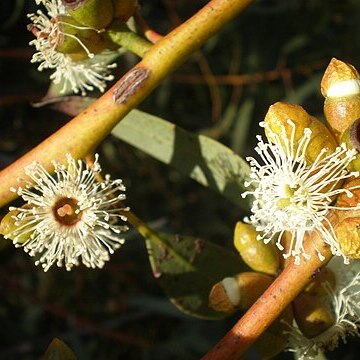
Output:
x,y
277,119
341,88
258,255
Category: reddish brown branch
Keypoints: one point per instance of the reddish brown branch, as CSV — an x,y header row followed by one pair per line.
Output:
x,y
271,304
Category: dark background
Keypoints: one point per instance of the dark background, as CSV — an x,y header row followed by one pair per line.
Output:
x,y
275,50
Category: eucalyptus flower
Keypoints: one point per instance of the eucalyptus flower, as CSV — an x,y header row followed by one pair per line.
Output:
x,y
70,216
75,73
295,196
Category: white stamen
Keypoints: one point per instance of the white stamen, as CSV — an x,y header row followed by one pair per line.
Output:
x,y
77,76
293,195
95,233
344,301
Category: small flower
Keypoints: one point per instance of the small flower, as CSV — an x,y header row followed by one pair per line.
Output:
x,y
78,76
69,216
293,195
344,302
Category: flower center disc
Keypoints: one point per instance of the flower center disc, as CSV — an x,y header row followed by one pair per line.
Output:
x,y
66,211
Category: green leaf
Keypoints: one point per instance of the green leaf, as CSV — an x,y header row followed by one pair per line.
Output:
x,y
187,268
58,350
205,160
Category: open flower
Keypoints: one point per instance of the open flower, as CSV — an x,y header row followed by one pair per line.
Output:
x,y
70,216
75,75
344,302
293,195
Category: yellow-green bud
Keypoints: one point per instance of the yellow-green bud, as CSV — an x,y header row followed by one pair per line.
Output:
x,y
277,118
238,292
341,88
258,255
7,226
97,14
311,315
124,9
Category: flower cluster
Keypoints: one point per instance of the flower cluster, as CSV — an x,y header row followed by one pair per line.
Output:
x,y
74,75
295,196
70,216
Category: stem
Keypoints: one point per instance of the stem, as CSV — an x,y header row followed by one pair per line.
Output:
x,y
272,303
84,133
139,225
149,33
120,35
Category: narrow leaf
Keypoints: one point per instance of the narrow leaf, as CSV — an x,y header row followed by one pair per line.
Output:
x,y
205,160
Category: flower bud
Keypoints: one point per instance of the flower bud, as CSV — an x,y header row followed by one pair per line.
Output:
x,y
74,39
124,9
277,119
347,229
348,236
258,255
97,14
276,337
8,225
311,315
351,138
238,292
341,88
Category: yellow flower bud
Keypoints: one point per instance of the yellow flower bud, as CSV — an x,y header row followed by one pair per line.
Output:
x,y
97,14
224,296
124,9
255,253
341,88
238,292
347,229
311,315
7,226
348,235
277,119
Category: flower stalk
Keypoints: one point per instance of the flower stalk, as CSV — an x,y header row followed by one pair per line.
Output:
x,y
119,34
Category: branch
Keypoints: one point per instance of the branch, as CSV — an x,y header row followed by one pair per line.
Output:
x,y
84,133
273,302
